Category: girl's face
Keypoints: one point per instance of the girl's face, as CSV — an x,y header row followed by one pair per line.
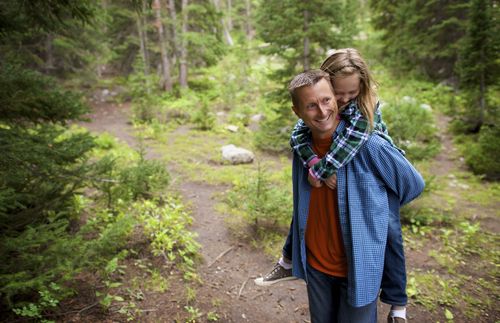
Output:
x,y
346,88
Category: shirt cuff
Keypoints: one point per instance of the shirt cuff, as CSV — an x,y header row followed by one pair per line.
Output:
x,y
313,161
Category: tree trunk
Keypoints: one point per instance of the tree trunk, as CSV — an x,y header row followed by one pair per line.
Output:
x,y
230,15
173,17
142,42
49,53
145,33
183,47
306,61
144,49
167,79
227,34
248,21
482,100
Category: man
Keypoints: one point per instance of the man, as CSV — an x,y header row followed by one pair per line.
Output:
x,y
339,236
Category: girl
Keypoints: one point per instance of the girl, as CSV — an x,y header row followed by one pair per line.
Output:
x,y
356,99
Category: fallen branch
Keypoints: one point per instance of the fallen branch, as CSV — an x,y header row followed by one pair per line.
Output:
x,y
87,307
241,288
80,311
220,256
258,295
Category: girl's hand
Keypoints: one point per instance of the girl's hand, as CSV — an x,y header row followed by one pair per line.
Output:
x,y
314,182
331,181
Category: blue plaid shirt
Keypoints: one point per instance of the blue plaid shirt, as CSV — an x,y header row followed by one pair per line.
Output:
x,y
377,182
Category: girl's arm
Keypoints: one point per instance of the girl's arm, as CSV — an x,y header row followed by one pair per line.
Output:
x,y
300,143
345,146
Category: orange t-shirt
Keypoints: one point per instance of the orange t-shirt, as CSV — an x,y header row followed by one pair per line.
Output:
x,y
325,248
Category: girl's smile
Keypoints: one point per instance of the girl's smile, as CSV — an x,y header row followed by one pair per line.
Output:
x,y
346,89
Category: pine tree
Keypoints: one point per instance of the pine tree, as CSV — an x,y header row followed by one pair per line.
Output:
x,y
421,35
299,33
479,63
42,167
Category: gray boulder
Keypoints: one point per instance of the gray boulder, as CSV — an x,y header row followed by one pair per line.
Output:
x,y
236,155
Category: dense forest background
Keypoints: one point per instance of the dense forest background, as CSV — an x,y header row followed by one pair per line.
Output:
x,y
70,201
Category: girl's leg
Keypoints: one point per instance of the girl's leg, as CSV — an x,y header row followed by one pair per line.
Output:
x,y
282,271
287,247
394,277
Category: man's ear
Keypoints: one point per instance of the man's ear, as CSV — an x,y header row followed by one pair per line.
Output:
x,y
296,111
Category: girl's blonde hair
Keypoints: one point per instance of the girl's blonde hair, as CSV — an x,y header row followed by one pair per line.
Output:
x,y
348,61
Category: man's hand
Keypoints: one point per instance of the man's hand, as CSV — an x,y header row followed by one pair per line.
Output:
x,y
331,181
314,182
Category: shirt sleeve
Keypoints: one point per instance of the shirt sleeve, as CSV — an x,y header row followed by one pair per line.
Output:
x,y
300,142
396,171
345,146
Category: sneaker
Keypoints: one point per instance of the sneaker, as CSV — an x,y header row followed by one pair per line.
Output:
x,y
395,319
278,274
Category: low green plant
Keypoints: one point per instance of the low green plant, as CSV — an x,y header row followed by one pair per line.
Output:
x,y
157,282
212,316
430,290
194,313
47,301
412,128
129,310
105,141
203,117
418,217
145,179
128,178
261,201
190,294
167,227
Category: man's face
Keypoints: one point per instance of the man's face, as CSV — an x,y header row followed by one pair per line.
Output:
x,y
346,88
317,108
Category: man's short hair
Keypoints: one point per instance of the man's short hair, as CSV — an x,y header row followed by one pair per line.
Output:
x,y
307,78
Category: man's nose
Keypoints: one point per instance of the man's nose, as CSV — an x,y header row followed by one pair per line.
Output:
x,y
323,108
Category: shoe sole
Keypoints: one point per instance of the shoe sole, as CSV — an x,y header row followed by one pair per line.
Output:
x,y
260,281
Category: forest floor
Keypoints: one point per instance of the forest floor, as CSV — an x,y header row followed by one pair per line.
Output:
x,y
229,264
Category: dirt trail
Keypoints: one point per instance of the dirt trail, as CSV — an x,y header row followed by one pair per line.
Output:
x,y
230,278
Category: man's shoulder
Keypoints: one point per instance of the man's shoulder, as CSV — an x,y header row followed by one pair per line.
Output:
x,y
376,141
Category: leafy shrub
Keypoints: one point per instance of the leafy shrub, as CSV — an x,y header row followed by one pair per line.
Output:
x,y
483,155
412,128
